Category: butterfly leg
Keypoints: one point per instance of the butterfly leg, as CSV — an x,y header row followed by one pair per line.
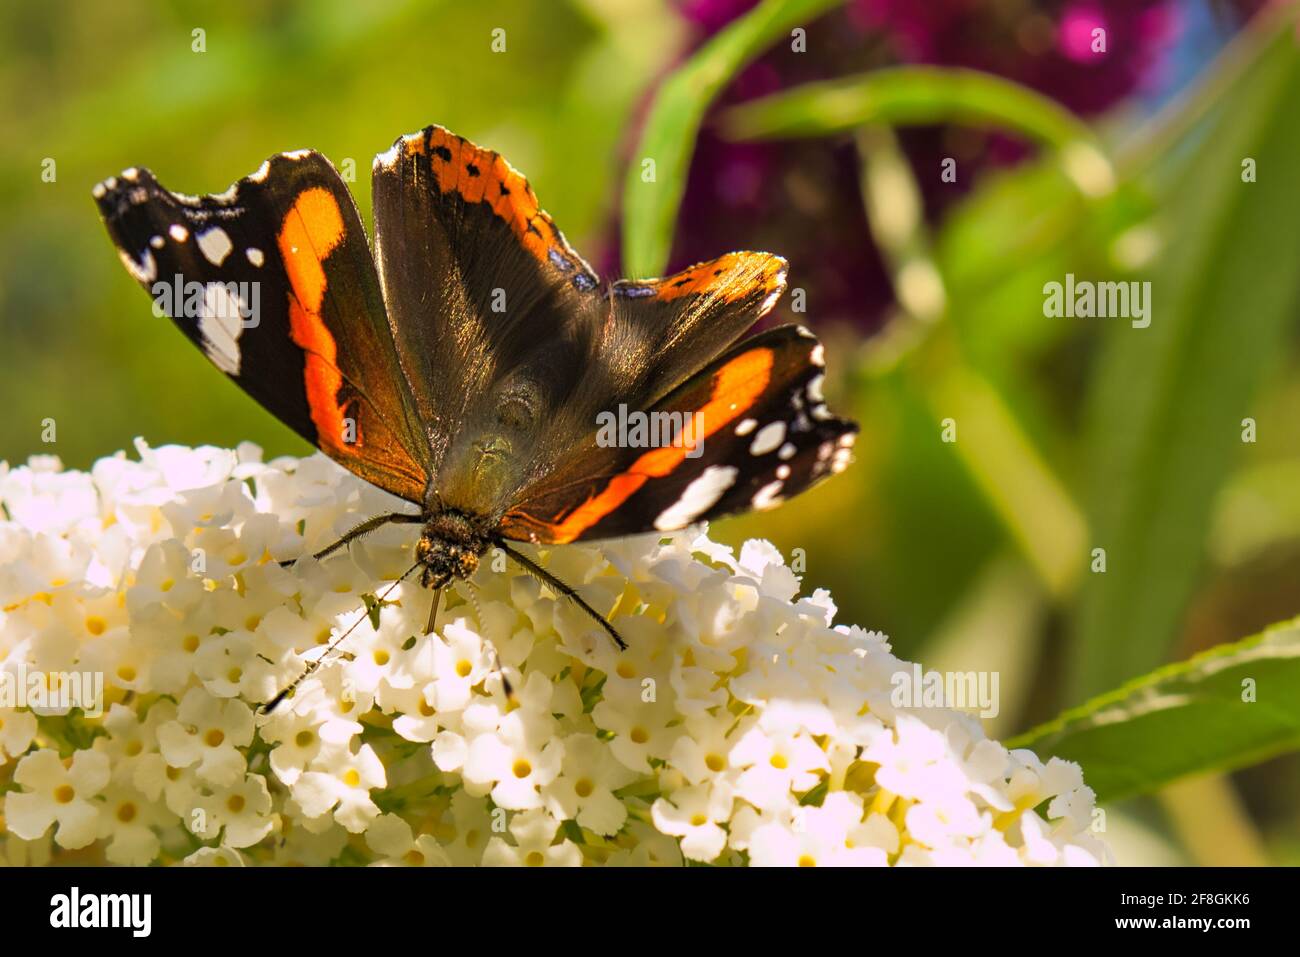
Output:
x,y
365,528
560,588
433,612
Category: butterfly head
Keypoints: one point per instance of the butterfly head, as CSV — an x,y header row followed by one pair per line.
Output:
x,y
450,546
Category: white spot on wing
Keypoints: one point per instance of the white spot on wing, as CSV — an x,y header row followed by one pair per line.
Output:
x,y
697,498
255,255
768,496
259,175
227,197
768,438
131,174
786,452
146,270
220,325
783,472
215,245
388,158
98,191
157,242
746,426
178,233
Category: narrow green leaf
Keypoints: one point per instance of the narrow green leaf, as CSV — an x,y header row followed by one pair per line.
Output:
x,y
1164,415
668,140
925,95
1226,708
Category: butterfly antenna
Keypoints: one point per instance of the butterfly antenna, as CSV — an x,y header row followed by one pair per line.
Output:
x,y
560,588
506,686
312,666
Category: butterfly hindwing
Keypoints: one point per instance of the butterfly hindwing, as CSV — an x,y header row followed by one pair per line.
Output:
x,y
274,281
760,433
672,327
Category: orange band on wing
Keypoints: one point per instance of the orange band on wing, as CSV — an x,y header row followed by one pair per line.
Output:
x,y
481,175
736,386
311,230
730,277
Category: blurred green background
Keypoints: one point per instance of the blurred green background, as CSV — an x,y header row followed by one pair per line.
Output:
x,y
976,554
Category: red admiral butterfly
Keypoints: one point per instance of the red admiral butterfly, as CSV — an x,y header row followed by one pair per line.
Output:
x,y
463,365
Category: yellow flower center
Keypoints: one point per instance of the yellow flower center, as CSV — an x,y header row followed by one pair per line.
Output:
x,y
522,768
583,788
214,738
64,794
95,624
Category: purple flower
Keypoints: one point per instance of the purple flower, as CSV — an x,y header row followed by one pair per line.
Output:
x,y
801,198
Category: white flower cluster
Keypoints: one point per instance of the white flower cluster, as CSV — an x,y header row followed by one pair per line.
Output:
x,y
740,727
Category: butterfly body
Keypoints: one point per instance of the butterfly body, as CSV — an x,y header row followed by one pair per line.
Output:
x,y
451,544
463,361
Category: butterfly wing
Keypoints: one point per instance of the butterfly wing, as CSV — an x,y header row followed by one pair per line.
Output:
x,y
760,434
274,281
511,341
666,330
493,312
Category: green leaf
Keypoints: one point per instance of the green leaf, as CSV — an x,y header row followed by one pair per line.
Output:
x,y
1184,718
1164,416
650,208
925,95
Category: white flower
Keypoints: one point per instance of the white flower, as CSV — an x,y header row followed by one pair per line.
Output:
x,y
515,760
534,834
390,836
208,732
243,810
741,725
342,785
584,789
694,814
57,793
17,729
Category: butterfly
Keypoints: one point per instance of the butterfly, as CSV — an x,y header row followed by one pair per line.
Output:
x,y
469,361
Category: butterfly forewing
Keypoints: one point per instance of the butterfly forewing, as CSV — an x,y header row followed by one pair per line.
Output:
x,y
274,281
